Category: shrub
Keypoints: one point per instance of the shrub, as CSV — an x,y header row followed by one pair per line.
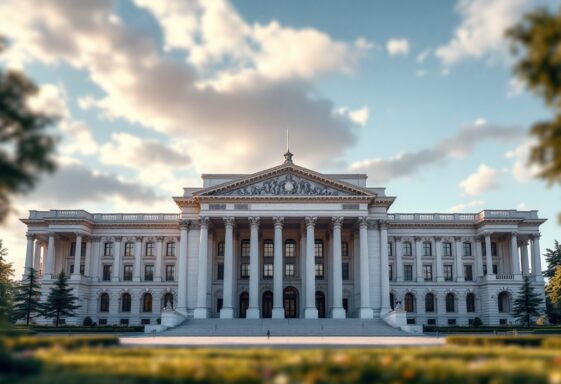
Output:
x,y
477,322
69,342
88,322
488,341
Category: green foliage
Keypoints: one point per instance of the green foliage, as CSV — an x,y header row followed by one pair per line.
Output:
x,y
6,285
487,341
26,149
27,299
527,304
553,288
88,329
88,322
477,322
553,259
18,344
60,301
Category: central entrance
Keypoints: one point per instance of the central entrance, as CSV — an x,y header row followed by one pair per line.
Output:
x,y
267,304
290,302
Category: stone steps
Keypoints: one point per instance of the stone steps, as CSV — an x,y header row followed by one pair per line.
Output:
x,y
284,327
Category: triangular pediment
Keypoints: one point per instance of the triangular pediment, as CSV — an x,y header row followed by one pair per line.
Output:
x,y
287,180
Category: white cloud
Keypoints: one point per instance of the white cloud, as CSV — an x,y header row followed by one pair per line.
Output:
x,y
397,46
358,116
463,207
522,171
422,56
483,180
50,99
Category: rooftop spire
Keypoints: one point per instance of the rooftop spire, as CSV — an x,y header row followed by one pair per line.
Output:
x,y
287,155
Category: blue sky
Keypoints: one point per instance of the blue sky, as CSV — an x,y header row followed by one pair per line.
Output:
x,y
418,95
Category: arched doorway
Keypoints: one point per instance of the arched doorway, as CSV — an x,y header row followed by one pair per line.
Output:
x,y
267,304
320,304
290,302
244,303
503,300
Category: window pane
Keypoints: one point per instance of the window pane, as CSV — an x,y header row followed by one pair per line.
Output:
x,y
289,248
220,248
467,249
170,249
150,249
220,271
108,249
148,272
318,248
319,271
267,270
170,272
408,272
129,249
468,272
245,248
345,249
448,272
268,248
345,270
106,272
289,270
244,272
127,272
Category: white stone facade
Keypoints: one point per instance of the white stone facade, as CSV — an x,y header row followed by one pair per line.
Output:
x,y
340,252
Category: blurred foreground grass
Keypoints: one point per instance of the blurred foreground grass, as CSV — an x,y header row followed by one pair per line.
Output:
x,y
99,362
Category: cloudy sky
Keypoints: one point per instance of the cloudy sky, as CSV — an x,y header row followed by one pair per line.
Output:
x,y
418,95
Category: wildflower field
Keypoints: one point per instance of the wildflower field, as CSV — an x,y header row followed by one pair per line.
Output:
x,y
102,360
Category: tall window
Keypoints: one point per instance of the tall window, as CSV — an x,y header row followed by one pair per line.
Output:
x,y
390,249
268,248
429,302
245,248
407,249
127,272
427,248
409,303
220,250
450,303
147,303
446,249
168,300
468,272
220,271
150,249
149,272
493,249
390,272
106,272
126,302
448,272
289,248
345,249
467,248
267,271
244,270
170,249
427,272
104,302
170,272
108,249
73,249
345,271
470,302
319,270
318,248
289,269
129,249
408,272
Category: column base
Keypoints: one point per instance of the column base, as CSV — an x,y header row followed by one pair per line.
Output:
x,y
365,313
311,313
227,313
517,277
384,311
252,313
338,313
278,313
200,313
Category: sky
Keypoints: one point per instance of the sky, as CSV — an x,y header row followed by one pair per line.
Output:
x,y
418,95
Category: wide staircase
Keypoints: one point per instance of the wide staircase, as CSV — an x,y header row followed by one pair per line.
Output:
x,y
284,327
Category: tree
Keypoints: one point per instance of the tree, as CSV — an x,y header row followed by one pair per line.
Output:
x,y
25,146
6,284
28,296
527,304
553,259
60,301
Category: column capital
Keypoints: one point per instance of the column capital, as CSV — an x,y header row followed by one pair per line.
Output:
x,y
437,238
514,233
204,221
160,238
535,236
254,221
522,243
486,234
30,236
78,233
383,224
229,221
457,238
279,221
337,221
417,239
95,238
138,238
363,222
184,224
311,221
118,238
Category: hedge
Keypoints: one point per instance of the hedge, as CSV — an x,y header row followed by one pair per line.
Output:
x,y
488,341
66,342
82,329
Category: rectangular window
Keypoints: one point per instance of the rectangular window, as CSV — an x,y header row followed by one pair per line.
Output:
x,y
102,321
427,272
451,321
493,249
108,249
407,249
484,269
106,272
289,248
268,248
82,269
289,270
219,304
127,272
244,272
145,321
267,271
468,272
431,321
148,272
446,249
345,270
170,249
245,248
495,269
220,250
408,272
71,269
427,249
390,272
129,249
170,272
319,270
448,272
467,249
124,322
318,248
150,249
345,249
73,249
390,249
220,271
410,321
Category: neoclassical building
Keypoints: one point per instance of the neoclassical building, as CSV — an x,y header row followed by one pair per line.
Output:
x,y
288,242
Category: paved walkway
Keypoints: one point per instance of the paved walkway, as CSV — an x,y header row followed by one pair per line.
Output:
x,y
280,341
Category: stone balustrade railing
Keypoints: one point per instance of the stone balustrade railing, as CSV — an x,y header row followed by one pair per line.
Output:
x,y
102,217
465,217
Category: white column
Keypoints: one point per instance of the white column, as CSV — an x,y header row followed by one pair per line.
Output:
x,y
310,311
227,311
398,261
137,259
77,257
37,256
439,266
159,257
459,264
524,254
418,260
488,257
365,311
253,308
278,308
337,310
50,262
515,259
385,278
478,259
201,312
28,254
116,270
181,305
88,257
536,257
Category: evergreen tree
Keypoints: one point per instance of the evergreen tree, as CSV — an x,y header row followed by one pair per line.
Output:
x,y
28,296
553,259
6,284
527,304
60,302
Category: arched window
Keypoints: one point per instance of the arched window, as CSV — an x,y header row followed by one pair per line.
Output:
x,y
126,302
168,300
409,302
289,248
147,303
392,301
429,302
470,302
450,303
104,303
504,302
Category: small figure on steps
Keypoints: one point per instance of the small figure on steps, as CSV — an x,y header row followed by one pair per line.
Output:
x,y
268,334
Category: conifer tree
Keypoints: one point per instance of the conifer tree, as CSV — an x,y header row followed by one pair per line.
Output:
x,y
60,301
6,284
527,304
27,303
553,259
